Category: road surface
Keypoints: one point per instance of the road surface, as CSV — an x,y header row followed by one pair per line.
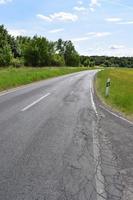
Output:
x,y
56,143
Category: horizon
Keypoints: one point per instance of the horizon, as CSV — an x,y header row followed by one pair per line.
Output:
x,y
96,27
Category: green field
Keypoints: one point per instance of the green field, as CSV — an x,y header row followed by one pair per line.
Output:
x,y
121,90
12,77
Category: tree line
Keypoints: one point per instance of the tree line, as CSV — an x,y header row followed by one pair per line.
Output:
x,y
105,61
35,51
38,51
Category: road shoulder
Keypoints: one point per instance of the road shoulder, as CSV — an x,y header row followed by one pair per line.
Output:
x,y
116,139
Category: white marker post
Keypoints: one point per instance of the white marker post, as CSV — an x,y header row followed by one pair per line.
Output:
x,y
108,84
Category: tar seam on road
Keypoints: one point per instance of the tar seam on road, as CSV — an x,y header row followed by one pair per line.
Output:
x,y
98,177
5,93
35,102
116,115
22,87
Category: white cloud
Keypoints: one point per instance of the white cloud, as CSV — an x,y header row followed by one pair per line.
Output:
x,y
118,20
116,47
61,16
119,50
5,1
91,35
80,39
80,2
79,8
17,32
56,30
98,34
128,22
113,19
102,34
94,4
45,18
112,50
92,9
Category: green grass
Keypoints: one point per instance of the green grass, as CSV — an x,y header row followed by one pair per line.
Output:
x,y
121,91
12,77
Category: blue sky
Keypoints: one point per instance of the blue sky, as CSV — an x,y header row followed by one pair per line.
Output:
x,y
96,27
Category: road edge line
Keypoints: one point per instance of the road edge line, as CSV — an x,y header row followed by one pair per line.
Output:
x,y
112,113
92,99
100,188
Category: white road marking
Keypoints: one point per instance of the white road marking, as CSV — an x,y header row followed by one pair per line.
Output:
x,y
99,177
35,102
116,115
92,101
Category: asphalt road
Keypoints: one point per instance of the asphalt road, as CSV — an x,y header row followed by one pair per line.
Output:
x,y
56,143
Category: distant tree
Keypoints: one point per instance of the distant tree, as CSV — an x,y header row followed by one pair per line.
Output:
x,y
67,50
107,61
60,47
92,64
70,54
86,62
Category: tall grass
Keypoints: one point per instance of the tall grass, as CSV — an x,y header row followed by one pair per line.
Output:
x,y
12,77
121,91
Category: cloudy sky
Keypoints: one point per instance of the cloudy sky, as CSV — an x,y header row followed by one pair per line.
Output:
x,y
96,27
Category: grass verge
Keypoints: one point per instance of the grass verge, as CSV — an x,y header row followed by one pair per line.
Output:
x,y
12,77
121,90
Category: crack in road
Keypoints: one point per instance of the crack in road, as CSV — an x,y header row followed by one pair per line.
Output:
x,y
79,182
71,155
109,164
78,176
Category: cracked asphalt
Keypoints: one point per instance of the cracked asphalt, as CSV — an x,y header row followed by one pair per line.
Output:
x,y
59,149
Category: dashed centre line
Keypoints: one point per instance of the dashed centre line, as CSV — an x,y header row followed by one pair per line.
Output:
x,y
35,102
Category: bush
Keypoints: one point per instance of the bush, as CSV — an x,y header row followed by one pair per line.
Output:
x,y
17,62
58,60
72,60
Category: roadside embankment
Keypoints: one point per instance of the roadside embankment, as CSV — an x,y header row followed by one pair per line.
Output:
x,y
121,90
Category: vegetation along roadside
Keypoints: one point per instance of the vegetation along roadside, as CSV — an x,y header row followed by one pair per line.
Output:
x,y
121,90
13,77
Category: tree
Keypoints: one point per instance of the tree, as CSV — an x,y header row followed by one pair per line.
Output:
x,y
15,47
58,60
67,50
107,63
86,62
60,47
5,48
39,52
